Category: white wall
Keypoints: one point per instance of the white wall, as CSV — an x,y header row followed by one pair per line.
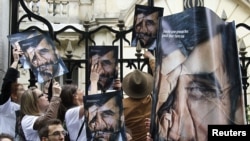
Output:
x,y
4,31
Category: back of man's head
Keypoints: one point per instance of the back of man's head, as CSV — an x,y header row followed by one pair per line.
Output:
x,y
138,84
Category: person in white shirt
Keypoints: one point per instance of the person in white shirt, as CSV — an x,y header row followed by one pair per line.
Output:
x,y
74,117
36,109
7,107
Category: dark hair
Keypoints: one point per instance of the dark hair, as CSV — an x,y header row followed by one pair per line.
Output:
x,y
44,130
67,97
34,41
147,10
14,87
102,50
101,99
5,135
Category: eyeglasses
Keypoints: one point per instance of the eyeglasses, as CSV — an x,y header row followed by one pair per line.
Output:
x,y
58,133
39,96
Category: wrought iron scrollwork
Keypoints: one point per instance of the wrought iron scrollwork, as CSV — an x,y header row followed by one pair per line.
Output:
x,y
31,15
244,64
85,35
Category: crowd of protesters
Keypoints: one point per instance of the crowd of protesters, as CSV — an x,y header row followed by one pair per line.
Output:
x,y
36,115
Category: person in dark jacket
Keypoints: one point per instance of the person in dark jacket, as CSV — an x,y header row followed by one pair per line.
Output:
x,y
7,107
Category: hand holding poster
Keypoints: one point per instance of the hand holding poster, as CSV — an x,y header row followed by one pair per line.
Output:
x,y
43,57
198,81
15,38
105,58
104,117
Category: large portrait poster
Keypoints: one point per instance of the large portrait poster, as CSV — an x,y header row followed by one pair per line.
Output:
x,y
43,57
198,79
104,117
106,59
145,27
17,37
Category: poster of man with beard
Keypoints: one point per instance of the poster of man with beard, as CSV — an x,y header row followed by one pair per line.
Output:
x,y
145,27
198,78
43,57
104,117
106,59
17,37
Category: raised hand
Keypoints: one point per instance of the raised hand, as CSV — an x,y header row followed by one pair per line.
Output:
x,y
56,89
16,55
96,70
117,85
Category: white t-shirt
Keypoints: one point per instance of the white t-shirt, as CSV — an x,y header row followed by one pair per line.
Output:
x,y
8,117
27,125
74,123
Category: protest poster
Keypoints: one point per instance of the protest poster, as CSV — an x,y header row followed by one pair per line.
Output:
x,y
145,26
198,78
43,57
17,37
104,117
106,58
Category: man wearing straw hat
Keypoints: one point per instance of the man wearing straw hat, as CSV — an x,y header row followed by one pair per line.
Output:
x,y
138,86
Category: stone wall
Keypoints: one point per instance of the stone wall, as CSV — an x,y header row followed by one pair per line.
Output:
x,y
4,31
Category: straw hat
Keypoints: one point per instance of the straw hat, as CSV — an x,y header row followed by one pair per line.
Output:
x,y
137,84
